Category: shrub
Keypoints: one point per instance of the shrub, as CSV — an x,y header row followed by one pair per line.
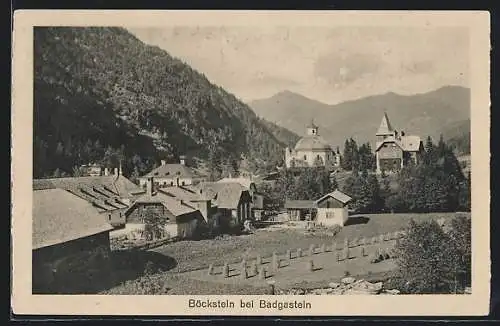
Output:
x,y
347,273
149,268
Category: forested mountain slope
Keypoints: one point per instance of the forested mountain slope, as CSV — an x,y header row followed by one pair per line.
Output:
x,y
102,95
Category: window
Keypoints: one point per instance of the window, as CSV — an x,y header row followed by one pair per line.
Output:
x,y
183,183
328,204
317,157
109,217
171,183
305,157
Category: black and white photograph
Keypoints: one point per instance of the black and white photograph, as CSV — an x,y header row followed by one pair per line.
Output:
x,y
238,159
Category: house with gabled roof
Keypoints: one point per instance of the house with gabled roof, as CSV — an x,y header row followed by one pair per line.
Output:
x,y
233,201
258,199
394,149
110,195
330,209
70,239
177,217
172,174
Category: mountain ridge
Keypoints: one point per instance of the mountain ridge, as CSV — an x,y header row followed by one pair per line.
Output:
x,y
423,114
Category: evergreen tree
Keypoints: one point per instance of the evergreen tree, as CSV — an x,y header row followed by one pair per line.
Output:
x,y
426,260
346,162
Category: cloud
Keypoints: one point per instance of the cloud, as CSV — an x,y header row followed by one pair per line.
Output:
x,y
330,64
341,69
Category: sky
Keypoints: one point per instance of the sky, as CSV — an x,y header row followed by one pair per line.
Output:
x,y
328,64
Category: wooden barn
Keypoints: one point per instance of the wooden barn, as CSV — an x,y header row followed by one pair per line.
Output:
x,y
70,243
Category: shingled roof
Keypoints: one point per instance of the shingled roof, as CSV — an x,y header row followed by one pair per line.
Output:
x,y
385,127
338,195
174,170
104,192
223,194
408,143
60,216
176,206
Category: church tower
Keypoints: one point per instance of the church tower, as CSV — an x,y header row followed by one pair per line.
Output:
x,y
312,129
385,129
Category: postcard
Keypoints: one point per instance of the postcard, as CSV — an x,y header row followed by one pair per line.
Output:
x,y
260,163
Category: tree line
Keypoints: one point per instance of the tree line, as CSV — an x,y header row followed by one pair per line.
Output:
x,y
435,184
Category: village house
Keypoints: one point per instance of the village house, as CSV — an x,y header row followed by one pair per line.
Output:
x,y
257,205
111,195
167,216
174,174
331,209
394,149
197,199
233,202
312,150
70,241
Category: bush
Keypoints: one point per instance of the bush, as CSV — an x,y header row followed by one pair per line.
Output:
x,y
150,268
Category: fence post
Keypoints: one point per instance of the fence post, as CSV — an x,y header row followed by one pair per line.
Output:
x,y
310,265
299,252
262,273
225,270
311,250
289,254
210,269
258,260
322,248
254,269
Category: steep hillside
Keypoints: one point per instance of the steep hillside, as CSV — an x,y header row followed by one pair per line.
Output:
x,y
283,135
103,95
423,114
458,136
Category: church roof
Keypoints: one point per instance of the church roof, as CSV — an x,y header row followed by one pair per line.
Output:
x,y
406,143
385,127
312,142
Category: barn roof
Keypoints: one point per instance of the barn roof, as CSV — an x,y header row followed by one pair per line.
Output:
x,y
60,216
104,192
184,193
223,194
337,195
176,206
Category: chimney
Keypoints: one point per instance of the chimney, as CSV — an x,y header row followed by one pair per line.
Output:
x,y
149,186
106,171
182,159
163,162
116,171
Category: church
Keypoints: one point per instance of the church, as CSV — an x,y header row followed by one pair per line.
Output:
x,y
395,149
311,150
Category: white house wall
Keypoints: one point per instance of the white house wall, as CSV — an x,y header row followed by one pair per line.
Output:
x,y
332,216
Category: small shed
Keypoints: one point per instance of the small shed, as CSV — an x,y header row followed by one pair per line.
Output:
x,y
300,210
332,208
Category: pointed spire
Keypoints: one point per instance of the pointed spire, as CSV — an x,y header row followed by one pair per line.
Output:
x,y
385,127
